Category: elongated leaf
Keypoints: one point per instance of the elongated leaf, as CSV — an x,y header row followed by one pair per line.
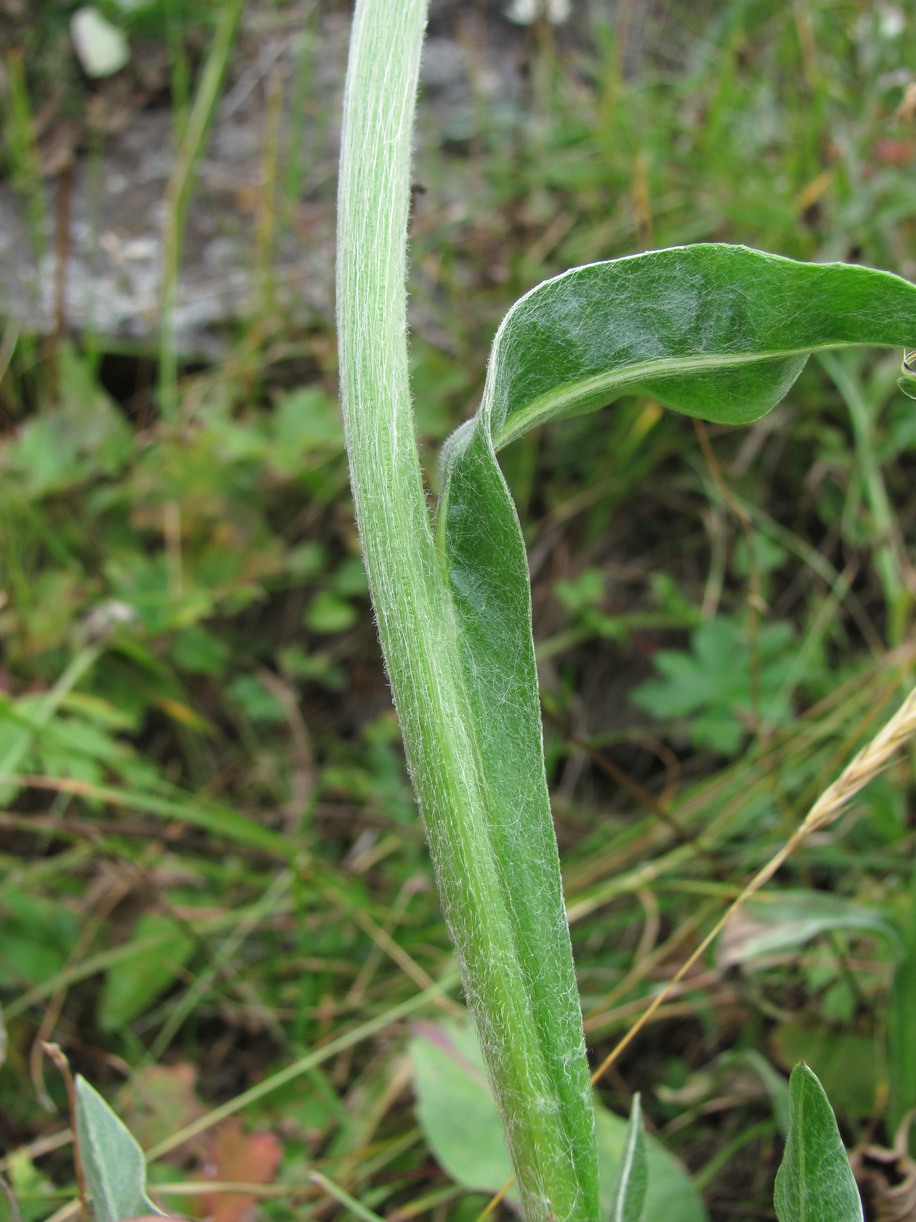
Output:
x,y
768,925
112,1162
715,332
901,1038
632,1177
815,1181
222,821
901,1022
517,966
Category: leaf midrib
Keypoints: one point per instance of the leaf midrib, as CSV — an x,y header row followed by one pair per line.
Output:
x,y
550,406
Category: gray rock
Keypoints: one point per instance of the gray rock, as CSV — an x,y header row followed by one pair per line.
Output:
x,y
230,268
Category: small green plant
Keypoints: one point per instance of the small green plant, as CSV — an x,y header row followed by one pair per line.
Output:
x,y
713,685
715,332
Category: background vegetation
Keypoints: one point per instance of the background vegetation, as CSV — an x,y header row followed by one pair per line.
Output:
x,y
212,865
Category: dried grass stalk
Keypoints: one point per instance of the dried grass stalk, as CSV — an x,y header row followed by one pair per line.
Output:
x,y
863,767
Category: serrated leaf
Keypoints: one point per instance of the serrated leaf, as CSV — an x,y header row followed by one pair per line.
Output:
x,y
815,1181
112,1162
632,1176
722,681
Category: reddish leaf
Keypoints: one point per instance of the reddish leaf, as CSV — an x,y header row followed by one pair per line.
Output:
x,y
239,1158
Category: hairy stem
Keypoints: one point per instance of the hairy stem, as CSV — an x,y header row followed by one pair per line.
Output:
x,y
414,611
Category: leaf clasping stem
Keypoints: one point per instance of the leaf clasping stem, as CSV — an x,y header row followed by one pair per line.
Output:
x,y
415,619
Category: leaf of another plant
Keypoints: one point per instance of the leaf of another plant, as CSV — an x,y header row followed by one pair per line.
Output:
x,y
459,1119
134,982
38,937
243,1158
630,1189
158,1100
716,686
848,1063
112,1162
815,1181
83,438
768,925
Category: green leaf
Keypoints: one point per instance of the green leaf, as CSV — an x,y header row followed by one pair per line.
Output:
x,y
815,1181
134,983
901,1026
83,438
630,1188
848,1064
209,816
329,613
507,917
769,925
461,1124
112,1162
711,331
716,332
723,681
38,937
901,1038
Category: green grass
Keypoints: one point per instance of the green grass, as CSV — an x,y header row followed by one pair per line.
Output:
x,y
222,789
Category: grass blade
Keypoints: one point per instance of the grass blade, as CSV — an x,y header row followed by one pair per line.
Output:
x,y
901,1025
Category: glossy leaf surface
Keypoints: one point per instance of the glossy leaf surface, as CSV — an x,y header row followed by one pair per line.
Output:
x,y
716,332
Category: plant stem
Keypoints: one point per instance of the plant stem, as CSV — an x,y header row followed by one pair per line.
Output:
x,y
414,611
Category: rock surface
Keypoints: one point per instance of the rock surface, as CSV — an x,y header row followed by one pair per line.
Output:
x,y
261,219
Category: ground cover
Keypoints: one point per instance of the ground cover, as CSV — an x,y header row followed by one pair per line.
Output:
x,y
213,870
